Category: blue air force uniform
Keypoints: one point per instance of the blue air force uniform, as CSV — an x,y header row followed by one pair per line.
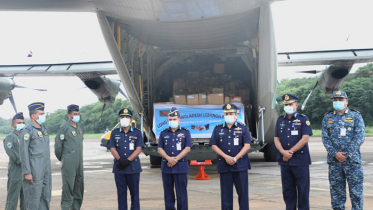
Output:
x,y
126,144
176,176
344,133
295,175
231,141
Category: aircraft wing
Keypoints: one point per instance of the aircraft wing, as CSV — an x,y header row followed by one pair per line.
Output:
x,y
59,69
327,57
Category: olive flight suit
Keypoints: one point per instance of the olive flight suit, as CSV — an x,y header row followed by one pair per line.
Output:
x,y
68,148
14,186
35,159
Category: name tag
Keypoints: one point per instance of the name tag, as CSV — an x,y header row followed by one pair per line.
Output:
x,y
294,132
343,131
235,141
132,146
178,146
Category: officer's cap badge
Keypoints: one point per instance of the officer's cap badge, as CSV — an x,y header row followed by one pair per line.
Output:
x,y
229,106
338,93
40,134
287,97
125,111
26,136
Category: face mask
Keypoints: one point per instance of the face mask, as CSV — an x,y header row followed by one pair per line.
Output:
x,y
288,109
125,122
76,119
229,119
41,119
20,126
338,105
173,124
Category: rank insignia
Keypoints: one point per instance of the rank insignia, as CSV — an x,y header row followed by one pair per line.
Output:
x,y
9,145
26,136
46,133
81,132
62,137
74,133
308,123
40,134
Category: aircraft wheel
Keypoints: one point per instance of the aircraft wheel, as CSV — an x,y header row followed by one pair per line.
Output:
x,y
270,153
155,160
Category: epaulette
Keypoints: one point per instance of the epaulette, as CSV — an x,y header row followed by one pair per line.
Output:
x,y
221,124
355,110
328,112
182,128
136,128
29,127
10,135
302,115
241,123
165,129
64,127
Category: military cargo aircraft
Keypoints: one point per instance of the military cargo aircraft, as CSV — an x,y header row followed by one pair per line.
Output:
x,y
152,42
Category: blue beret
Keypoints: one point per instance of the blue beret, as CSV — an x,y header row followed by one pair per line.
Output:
x,y
174,112
289,98
230,107
125,112
19,115
73,107
36,106
339,94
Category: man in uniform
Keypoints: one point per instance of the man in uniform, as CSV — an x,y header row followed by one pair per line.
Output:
x,y
68,149
11,145
125,144
343,132
231,142
35,160
291,139
174,144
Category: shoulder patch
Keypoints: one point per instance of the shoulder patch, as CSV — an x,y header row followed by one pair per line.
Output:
x,y
29,127
354,110
26,136
9,145
62,137
328,112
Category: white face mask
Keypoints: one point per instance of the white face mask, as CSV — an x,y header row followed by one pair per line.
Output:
x,y
125,122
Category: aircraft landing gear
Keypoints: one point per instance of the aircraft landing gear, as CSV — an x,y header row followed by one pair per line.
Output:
x,y
270,153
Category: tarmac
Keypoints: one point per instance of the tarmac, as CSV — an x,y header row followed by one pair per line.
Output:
x,y
265,190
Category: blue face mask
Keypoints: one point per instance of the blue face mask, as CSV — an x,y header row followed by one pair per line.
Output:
x,y
20,126
41,119
173,124
76,119
338,105
289,109
229,119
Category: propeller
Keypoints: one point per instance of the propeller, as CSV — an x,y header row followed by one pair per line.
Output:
x,y
309,71
103,108
11,98
18,86
305,101
121,91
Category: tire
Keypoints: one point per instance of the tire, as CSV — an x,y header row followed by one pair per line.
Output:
x,y
270,153
155,160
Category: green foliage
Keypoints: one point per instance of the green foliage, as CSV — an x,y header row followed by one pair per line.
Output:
x,y
359,89
89,118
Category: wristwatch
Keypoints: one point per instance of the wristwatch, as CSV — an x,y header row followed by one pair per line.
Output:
x,y
235,159
176,159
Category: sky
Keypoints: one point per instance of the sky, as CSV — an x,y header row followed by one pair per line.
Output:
x,y
76,37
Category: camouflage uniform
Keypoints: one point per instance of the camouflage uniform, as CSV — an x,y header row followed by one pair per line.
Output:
x,y
350,143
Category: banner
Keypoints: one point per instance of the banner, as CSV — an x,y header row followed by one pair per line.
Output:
x,y
200,120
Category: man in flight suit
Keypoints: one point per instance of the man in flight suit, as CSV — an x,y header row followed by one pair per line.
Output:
x,y
343,132
35,160
231,142
11,145
68,148
174,144
291,139
125,144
